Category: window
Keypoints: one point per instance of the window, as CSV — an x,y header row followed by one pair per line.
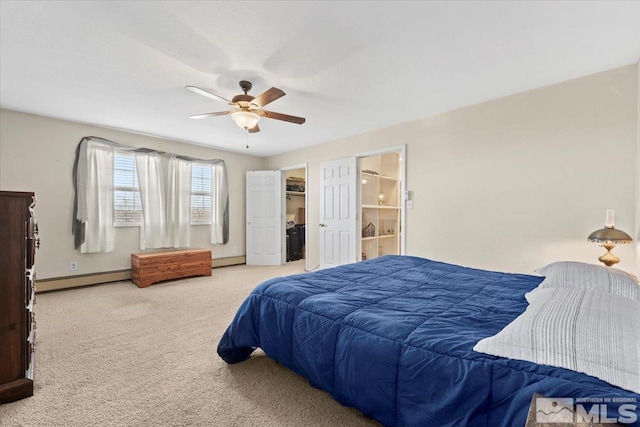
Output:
x,y
127,206
200,194
157,186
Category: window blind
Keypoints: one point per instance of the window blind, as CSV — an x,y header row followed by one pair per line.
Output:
x,y
127,205
200,194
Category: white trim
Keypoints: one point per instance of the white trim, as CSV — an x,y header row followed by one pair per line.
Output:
x,y
304,166
385,150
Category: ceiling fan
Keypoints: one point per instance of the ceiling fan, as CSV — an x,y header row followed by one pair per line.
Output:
x,y
247,109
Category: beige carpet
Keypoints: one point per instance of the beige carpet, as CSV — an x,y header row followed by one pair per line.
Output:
x,y
117,355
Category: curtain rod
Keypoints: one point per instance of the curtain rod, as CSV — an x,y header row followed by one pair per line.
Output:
x,y
147,150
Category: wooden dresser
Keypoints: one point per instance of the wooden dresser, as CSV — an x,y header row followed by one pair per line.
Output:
x,y
18,239
152,267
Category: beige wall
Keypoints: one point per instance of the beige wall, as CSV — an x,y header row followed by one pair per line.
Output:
x,y
513,183
37,154
509,184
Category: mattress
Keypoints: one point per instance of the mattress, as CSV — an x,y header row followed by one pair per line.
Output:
x,y
394,336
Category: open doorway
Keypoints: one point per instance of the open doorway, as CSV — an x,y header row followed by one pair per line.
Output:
x,y
382,182
296,202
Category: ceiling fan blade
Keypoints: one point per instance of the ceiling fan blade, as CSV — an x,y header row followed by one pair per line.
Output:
x,y
219,113
283,117
266,97
208,94
254,129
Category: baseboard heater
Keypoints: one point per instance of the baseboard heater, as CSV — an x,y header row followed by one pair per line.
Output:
x,y
56,283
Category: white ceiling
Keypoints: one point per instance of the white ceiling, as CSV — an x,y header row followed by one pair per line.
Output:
x,y
348,67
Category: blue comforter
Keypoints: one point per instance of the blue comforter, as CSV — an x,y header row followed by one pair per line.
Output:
x,y
393,337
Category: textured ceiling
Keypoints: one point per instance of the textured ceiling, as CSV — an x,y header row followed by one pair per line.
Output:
x,y
348,67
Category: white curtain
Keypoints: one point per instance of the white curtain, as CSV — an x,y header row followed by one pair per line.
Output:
x,y
153,232
178,203
95,197
219,203
165,191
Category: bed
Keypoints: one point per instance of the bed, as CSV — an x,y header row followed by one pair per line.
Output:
x,y
394,337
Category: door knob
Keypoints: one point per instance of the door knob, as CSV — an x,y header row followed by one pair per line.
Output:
x,y
323,225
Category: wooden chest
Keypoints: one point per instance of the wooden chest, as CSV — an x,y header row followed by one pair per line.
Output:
x,y
153,267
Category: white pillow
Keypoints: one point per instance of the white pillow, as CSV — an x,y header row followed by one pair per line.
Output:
x,y
579,275
586,331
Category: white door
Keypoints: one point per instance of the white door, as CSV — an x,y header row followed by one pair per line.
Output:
x,y
265,221
338,212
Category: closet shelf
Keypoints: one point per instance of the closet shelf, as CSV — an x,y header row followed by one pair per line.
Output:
x,y
373,175
296,193
379,207
384,236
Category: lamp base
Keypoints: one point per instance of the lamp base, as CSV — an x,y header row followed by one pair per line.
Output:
x,y
608,258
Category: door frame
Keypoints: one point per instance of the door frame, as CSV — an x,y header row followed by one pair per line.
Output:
x,y
304,166
402,149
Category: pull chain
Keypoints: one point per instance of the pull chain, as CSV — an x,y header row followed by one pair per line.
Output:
x,y
247,139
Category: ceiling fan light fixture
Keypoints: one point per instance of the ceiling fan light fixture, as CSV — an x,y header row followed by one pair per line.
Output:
x,y
245,119
247,108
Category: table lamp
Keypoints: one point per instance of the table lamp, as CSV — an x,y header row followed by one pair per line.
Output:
x,y
609,237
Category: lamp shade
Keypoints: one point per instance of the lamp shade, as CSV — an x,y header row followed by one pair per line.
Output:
x,y
609,235
245,119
